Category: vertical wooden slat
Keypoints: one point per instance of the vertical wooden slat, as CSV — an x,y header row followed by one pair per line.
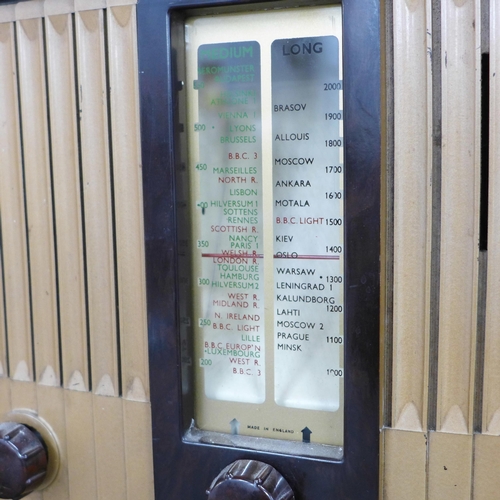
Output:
x,y
116,3
3,332
66,174
80,445
51,410
5,404
451,449
138,450
38,200
13,215
23,395
130,254
450,467
486,465
58,7
97,201
29,10
110,447
491,398
459,216
81,5
404,465
128,200
7,13
411,214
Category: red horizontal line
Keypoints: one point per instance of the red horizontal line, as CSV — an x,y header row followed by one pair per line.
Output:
x,y
309,257
260,256
235,256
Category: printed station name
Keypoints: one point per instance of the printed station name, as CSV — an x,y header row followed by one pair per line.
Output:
x,y
216,70
291,203
238,350
300,220
242,242
308,299
292,137
233,229
235,257
234,98
283,285
235,180
293,161
289,107
295,183
238,285
295,271
235,170
234,203
240,304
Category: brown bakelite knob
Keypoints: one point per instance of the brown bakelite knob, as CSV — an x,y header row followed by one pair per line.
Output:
x,y
249,480
23,460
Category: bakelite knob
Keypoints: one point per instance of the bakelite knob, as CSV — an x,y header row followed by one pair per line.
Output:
x,y
250,480
23,460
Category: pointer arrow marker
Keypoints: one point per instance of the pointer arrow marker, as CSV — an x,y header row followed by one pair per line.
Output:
x,y
306,435
235,426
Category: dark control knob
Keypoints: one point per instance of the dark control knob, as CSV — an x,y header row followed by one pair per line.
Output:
x,y
23,460
249,480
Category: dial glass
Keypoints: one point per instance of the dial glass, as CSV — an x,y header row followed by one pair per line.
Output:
x,y
266,187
